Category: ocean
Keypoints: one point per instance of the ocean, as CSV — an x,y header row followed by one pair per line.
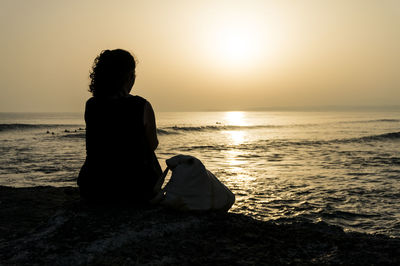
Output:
x,y
342,168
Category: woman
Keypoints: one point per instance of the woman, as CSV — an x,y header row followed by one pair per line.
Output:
x,y
121,135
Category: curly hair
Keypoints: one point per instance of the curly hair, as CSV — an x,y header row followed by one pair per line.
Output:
x,y
110,71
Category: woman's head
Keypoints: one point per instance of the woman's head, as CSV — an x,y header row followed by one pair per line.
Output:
x,y
113,73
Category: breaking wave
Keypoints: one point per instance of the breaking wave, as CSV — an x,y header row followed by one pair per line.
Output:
x,y
372,121
183,129
176,129
372,138
10,127
386,136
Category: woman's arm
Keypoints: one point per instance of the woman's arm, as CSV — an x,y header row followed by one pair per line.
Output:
x,y
150,126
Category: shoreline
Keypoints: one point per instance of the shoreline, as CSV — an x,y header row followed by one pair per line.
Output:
x,y
50,225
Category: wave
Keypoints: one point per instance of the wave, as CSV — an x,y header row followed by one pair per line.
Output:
x,y
183,129
165,132
371,121
378,137
223,127
372,138
187,129
176,129
262,144
75,135
386,120
161,131
10,127
385,136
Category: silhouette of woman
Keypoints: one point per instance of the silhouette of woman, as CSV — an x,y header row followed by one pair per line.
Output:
x,y
121,135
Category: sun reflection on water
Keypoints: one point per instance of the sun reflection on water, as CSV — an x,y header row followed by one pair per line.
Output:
x,y
236,137
233,160
235,118
239,177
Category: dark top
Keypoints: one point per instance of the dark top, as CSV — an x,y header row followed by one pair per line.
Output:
x,y
119,162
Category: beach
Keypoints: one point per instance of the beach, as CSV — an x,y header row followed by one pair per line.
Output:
x,y
53,226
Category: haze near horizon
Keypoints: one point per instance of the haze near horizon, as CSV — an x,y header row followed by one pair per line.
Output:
x,y
204,55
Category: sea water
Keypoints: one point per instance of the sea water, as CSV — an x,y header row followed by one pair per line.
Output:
x,y
338,167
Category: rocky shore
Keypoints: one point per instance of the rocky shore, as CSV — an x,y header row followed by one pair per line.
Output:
x,y
53,226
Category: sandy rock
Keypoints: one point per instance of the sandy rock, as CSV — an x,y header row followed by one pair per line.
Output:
x,y
53,226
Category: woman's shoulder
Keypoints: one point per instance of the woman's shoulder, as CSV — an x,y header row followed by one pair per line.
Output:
x,y
130,97
131,100
137,98
90,102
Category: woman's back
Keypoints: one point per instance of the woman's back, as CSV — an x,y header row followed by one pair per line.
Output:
x,y
115,130
120,164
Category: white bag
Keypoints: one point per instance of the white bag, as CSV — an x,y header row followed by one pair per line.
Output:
x,y
192,187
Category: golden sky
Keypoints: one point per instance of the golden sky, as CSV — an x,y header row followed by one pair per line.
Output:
x,y
204,55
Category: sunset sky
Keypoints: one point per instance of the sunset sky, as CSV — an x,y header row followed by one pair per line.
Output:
x,y
204,55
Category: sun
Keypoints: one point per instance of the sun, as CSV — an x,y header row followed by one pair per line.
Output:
x,y
234,44
237,45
